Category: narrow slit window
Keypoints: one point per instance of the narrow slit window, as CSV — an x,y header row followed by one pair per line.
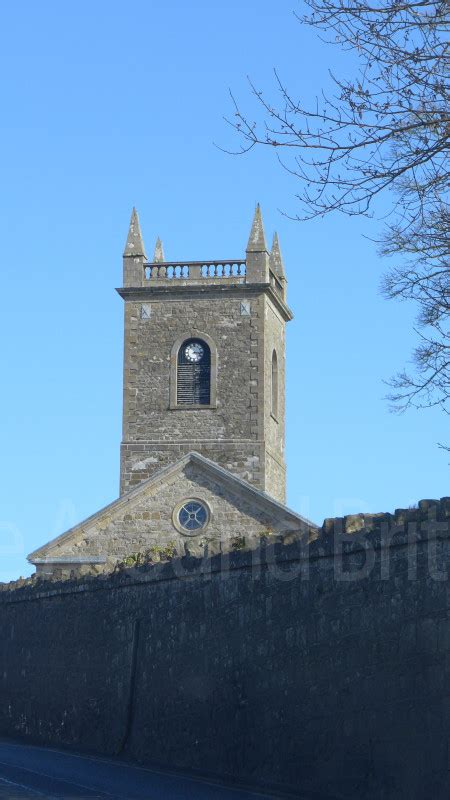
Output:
x,y
274,384
194,373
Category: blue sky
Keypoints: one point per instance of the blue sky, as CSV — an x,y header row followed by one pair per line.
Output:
x,y
106,105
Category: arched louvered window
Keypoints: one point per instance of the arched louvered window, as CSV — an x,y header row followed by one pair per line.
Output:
x,y
194,373
274,384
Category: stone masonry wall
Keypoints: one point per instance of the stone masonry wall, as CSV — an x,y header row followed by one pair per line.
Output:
x,y
140,461
274,339
147,522
228,433
321,668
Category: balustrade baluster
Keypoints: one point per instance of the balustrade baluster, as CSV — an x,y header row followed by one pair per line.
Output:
x,y
199,270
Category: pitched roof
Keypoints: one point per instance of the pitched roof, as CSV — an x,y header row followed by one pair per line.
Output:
x,y
260,499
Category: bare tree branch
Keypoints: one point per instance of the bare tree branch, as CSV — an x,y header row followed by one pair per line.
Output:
x,y
385,131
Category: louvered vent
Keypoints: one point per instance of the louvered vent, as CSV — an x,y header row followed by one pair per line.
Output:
x,y
194,373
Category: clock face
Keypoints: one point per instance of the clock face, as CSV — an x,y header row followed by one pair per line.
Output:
x,y
194,351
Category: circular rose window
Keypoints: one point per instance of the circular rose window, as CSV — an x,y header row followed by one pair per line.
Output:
x,y
191,517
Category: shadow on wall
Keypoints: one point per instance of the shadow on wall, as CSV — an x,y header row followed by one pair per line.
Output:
x,y
318,667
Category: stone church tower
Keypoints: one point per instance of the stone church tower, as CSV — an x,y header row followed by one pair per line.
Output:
x,y
202,454
205,362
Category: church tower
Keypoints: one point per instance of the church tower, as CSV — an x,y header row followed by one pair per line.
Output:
x,y
204,362
202,456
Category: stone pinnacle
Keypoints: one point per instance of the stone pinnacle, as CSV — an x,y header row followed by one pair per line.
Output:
x,y
135,242
276,259
158,256
257,240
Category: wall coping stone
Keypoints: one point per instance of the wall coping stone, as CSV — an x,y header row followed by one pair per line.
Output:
x,y
429,521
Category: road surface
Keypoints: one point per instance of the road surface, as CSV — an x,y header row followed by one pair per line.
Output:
x,y
29,773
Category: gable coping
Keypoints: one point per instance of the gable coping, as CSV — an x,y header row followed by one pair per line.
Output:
x,y
263,500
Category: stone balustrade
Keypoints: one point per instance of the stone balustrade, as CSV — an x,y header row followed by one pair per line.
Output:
x,y
194,270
